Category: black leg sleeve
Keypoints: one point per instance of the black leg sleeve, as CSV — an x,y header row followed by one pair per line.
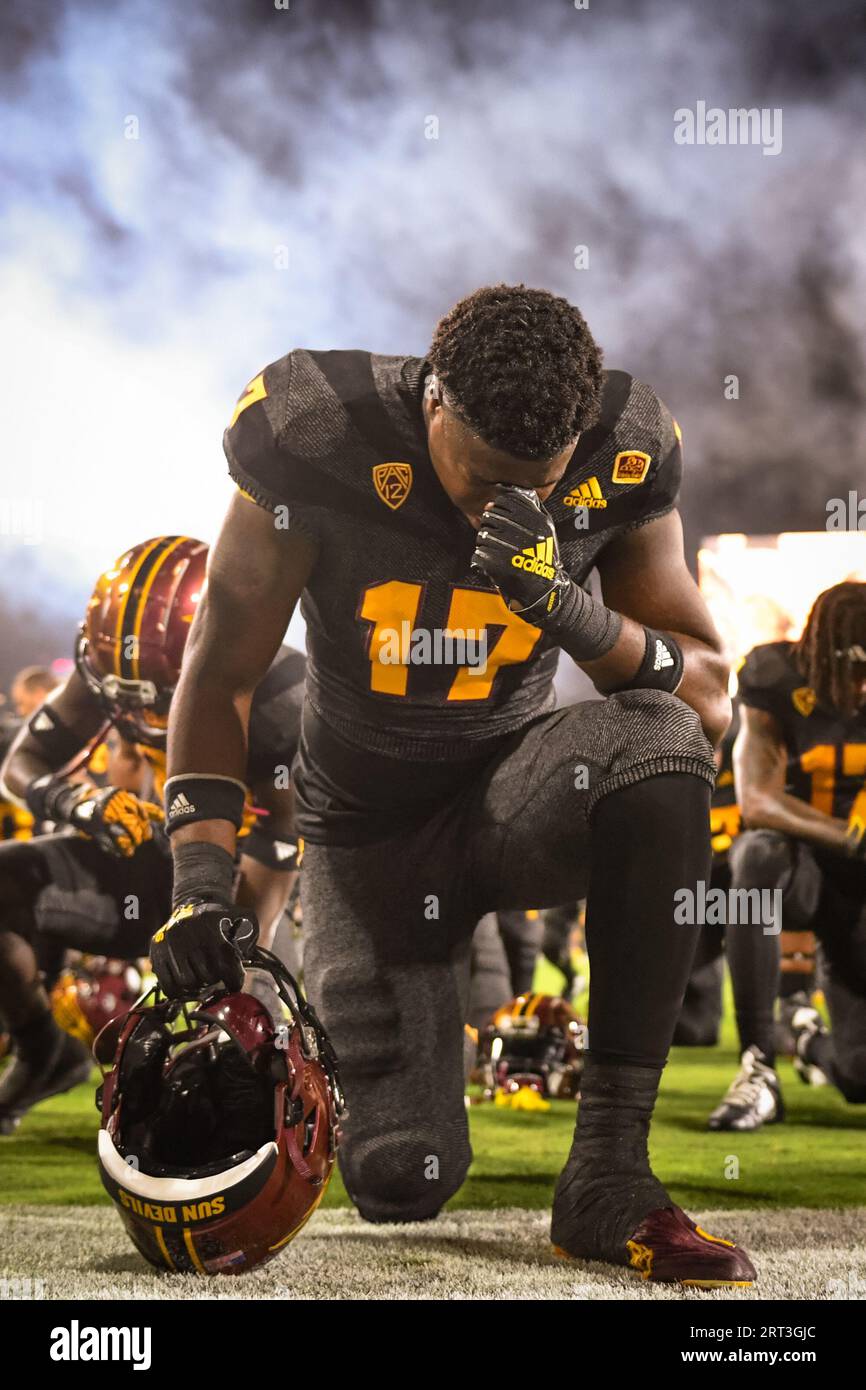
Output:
x,y
648,841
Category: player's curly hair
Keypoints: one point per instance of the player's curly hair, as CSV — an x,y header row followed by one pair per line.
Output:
x,y
837,620
520,367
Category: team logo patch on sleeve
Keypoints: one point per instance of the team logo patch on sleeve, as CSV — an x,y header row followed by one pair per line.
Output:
x,y
804,700
393,483
631,466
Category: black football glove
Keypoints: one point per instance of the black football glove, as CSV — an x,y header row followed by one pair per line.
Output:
x,y
117,820
201,944
517,549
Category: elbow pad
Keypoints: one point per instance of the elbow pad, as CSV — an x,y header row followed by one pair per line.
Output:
x,y
57,741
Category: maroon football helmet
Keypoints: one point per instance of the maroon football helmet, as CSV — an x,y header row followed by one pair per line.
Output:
x,y
131,643
219,1126
91,1000
536,1041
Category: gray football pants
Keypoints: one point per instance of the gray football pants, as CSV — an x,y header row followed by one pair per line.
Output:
x,y
388,929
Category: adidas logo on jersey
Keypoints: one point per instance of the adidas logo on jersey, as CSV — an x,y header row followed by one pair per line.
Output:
x,y
663,656
536,559
180,806
588,494
41,722
283,850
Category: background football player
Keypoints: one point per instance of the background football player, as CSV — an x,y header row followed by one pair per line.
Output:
x,y
29,688
102,882
505,947
799,764
476,489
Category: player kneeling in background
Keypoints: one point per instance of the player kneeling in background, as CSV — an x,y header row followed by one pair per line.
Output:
x,y
102,882
401,498
800,765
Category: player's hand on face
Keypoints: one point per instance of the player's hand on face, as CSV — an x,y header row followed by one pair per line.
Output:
x,y
516,548
201,944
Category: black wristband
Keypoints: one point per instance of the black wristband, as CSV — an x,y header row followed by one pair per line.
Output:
x,y
662,665
274,851
202,873
50,797
197,796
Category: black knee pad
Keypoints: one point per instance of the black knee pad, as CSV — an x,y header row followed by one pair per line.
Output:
x,y
853,1091
852,1080
764,859
760,858
406,1175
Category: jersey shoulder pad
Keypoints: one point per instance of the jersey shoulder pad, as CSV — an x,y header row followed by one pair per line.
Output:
x,y
251,439
767,676
307,430
281,427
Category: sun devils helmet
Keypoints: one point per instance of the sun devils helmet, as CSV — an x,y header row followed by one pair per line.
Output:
x,y
219,1126
536,1041
91,1001
131,642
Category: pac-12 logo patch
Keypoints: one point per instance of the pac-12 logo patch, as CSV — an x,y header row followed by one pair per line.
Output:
x,y
393,483
804,700
631,466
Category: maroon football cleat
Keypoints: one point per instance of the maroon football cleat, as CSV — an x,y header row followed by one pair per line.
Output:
x,y
669,1248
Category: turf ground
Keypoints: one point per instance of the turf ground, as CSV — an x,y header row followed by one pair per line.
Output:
x,y
815,1160
82,1252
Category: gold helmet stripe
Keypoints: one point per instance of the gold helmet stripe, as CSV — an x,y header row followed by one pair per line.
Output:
x,y
193,1254
142,602
163,1248
118,635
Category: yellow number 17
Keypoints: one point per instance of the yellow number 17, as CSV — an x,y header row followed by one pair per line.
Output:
x,y
388,606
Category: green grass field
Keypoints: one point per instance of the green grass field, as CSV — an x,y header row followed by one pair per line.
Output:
x,y
816,1158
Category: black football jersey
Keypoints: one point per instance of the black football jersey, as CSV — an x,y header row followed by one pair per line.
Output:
x,y
334,443
826,752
